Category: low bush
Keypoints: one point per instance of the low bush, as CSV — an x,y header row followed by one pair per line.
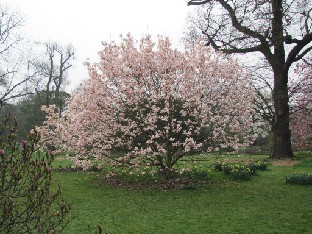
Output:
x,y
227,168
195,173
258,166
240,171
218,166
302,178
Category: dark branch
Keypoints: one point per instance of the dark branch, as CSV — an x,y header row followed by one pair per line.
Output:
x,y
234,19
307,62
262,46
238,25
268,107
292,56
300,56
306,21
289,40
196,3
233,49
4,99
10,90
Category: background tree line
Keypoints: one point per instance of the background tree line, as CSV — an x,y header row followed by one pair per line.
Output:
x,y
32,73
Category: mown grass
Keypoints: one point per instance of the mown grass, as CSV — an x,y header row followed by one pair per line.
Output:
x,y
266,204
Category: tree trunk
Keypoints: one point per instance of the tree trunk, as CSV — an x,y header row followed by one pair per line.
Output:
x,y
58,84
48,93
281,132
280,123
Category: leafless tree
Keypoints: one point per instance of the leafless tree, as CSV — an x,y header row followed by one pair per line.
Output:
x,y
280,30
53,70
12,59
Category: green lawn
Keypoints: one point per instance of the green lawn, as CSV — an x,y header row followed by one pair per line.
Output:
x,y
263,205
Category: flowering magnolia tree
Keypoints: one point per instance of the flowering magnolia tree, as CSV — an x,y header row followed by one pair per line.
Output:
x,y
28,204
301,117
146,104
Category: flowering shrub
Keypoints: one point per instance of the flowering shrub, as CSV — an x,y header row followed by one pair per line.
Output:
x,y
153,105
27,203
227,168
195,173
258,166
240,171
218,166
302,178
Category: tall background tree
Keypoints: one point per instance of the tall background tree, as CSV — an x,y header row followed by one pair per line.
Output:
x,y
52,70
15,75
32,73
279,30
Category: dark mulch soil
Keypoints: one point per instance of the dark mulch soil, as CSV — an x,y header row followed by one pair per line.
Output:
x,y
183,183
67,169
74,169
162,185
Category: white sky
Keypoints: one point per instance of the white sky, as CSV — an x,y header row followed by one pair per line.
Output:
x,y
86,23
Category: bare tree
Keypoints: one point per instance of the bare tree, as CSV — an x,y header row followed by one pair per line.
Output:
x,y
53,71
12,60
281,30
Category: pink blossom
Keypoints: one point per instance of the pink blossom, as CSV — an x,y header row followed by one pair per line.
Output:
x,y
301,113
153,102
15,121
24,143
10,200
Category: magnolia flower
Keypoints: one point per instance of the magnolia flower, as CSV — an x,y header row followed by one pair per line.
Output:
x,y
151,101
10,200
24,143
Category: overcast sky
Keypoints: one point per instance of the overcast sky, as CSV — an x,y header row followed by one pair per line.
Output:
x,y
86,23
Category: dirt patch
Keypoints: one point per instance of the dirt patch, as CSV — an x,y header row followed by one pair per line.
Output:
x,y
286,163
240,160
67,169
163,185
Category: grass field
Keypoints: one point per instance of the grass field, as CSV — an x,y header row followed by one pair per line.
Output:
x,y
265,204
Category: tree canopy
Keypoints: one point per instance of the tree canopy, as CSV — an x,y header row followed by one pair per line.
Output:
x,y
152,105
280,30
